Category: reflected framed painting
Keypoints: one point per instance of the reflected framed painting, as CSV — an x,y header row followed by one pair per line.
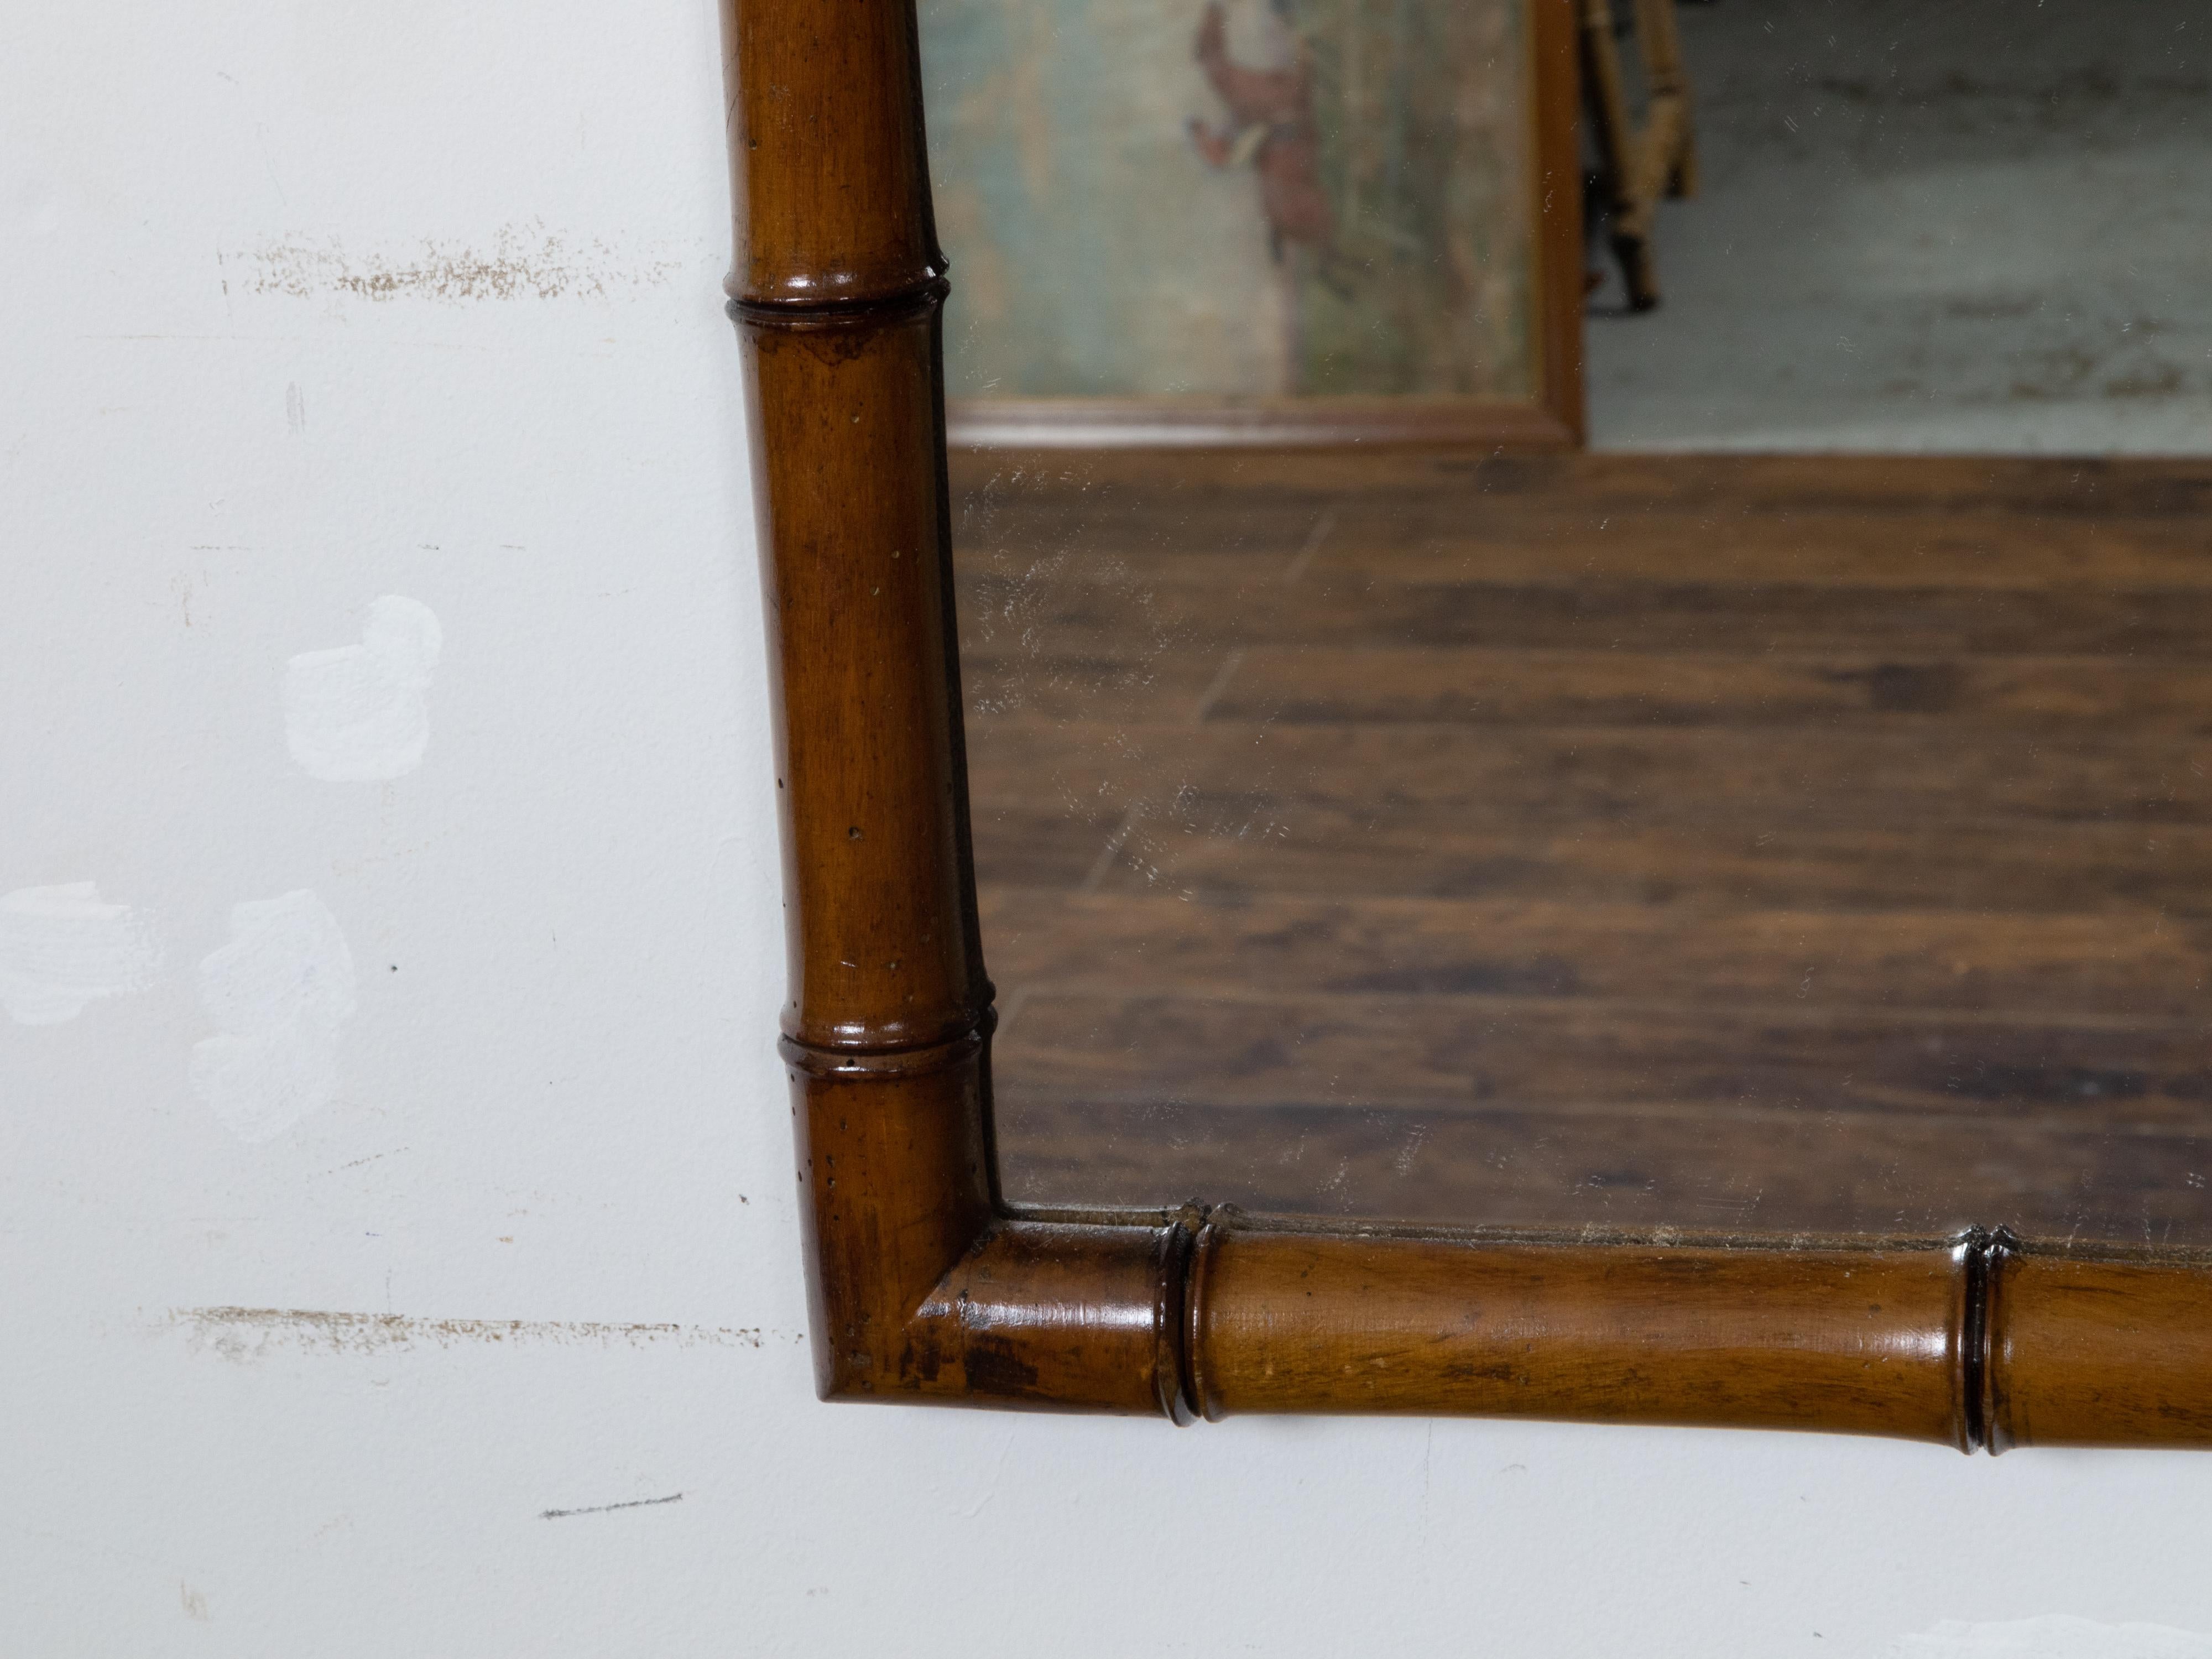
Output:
x,y
1270,222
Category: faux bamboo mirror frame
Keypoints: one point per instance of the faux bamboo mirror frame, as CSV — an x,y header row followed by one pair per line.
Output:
x,y
926,1285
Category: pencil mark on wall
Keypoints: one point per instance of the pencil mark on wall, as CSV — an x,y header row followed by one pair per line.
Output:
x,y
609,1509
360,714
281,992
63,948
522,262
243,1334
357,1163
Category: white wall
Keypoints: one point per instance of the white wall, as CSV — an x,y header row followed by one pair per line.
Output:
x,y
556,1101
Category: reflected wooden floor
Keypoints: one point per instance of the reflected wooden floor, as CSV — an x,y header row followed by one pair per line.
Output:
x,y
1784,845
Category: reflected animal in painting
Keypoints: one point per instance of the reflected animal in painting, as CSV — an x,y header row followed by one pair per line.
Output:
x,y
1271,125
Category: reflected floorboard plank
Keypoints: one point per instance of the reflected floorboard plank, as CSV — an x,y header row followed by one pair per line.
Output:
x,y
2108,966
1556,1170
1142,610
1448,1053
1517,774
1226,853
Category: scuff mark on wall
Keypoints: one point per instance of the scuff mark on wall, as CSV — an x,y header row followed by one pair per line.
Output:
x,y
523,261
63,947
2052,1636
282,991
360,714
245,1333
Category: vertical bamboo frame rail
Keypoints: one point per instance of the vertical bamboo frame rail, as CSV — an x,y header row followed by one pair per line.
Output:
x,y
923,1285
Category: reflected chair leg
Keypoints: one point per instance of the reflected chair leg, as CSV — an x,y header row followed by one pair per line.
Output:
x,y
1606,96
1639,271
1605,93
1672,133
1639,166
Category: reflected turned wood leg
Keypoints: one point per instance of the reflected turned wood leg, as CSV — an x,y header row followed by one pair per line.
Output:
x,y
1640,165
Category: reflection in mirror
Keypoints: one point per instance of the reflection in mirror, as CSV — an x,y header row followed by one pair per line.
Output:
x,y
1206,196
1667,835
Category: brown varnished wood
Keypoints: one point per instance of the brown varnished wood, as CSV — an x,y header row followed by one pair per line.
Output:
x,y
894,1190
853,574
829,175
1061,1316
1852,1342
926,1285
2091,1353
920,1288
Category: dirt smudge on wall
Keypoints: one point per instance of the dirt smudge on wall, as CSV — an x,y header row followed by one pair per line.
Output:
x,y
243,1334
523,261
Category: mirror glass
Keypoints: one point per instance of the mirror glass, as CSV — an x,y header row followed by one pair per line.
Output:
x,y
1790,812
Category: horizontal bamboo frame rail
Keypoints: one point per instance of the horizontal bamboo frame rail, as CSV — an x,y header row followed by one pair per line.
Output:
x,y
923,1285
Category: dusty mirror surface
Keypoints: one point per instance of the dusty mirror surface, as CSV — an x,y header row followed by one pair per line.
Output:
x,y
1793,814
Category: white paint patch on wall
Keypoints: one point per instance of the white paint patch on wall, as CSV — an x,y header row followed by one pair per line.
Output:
x,y
2053,1636
282,990
63,947
360,713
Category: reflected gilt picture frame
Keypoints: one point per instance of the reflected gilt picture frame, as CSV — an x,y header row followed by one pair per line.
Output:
x,y
1294,221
